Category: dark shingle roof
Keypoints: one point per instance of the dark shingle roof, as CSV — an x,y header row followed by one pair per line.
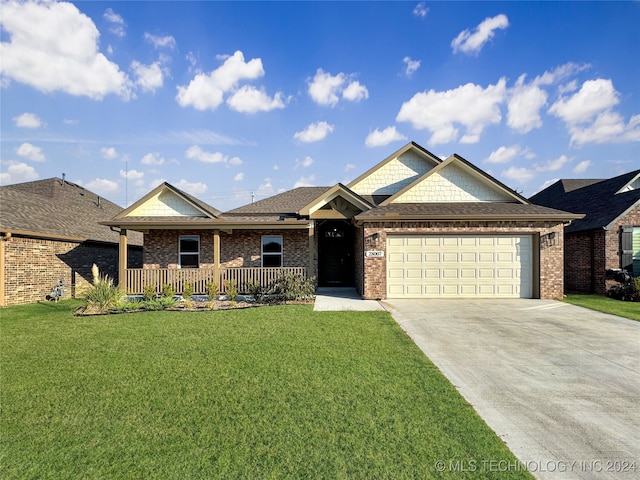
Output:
x,y
463,211
289,202
597,199
57,208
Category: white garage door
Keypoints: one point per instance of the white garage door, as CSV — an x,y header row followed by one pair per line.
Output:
x,y
459,266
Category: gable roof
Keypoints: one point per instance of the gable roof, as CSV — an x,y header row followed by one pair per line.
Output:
x,y
411,161
602,201
351,200
470,177
55,208
195,207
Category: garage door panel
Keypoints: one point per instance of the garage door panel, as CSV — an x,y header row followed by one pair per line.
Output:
x,y
463,265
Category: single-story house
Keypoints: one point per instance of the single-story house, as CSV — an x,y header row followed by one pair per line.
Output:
x,y
607,238
412,226
49,231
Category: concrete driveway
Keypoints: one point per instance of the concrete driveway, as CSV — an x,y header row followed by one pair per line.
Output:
x,y
559,384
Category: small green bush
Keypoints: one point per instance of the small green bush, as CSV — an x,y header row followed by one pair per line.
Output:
x,y
293,287
102,295
187,290
256,290
159,303
168,291
149,292
232,290
213,289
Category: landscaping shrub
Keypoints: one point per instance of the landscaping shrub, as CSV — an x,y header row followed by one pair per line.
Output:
x,y
232,290
149,292
168,290
213,289
292,287
102,295
187,290
256,290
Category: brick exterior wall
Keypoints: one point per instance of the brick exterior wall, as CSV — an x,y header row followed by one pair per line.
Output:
x,y
33,266
242,248
588,255
550,257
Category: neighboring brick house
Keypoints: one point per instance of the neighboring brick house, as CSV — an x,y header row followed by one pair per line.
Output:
x,y
412,226
49,231
607,238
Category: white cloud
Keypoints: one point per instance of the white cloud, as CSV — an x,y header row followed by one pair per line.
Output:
x,y
195,152
314,132
553,165
131,174
28,120
505,154
239,177
379,138
160,42
582,167
420,10
519,174
206,91
547,184
17,172
30,152
148,77
472,43
102,186
524,104
469,105
117,27
194,188
305,163
109,153
411,66
53,46
589,117
305,181
355,92
348,167
152,158
324,89
593,97
249,99
265,189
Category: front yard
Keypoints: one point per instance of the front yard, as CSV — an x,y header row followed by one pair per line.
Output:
x,y
605,304
271,392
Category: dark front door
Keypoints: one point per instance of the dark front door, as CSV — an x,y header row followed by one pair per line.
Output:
x,y
335,254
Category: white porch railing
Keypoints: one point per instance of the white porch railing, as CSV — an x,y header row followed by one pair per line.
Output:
x,y
138,278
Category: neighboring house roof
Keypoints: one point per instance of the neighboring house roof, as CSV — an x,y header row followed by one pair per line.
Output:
x,y
602,201
55,208
289,202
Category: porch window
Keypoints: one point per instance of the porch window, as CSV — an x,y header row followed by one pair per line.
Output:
x,y
189,251
272,251
630,257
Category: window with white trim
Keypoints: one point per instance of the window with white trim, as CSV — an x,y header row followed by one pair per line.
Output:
x,y
189,251
271,251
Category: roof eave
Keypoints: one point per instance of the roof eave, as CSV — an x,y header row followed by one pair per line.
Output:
x,y
478,217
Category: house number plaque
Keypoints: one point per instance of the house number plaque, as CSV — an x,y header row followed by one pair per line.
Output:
x,y
374,253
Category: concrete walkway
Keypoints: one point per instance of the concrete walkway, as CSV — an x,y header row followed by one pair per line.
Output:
x,y
338,299
559,384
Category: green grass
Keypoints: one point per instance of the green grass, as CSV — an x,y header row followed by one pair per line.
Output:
x,y
605,304
273,392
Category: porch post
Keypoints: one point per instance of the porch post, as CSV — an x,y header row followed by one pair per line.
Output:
x,y
312,224
122,262
216,257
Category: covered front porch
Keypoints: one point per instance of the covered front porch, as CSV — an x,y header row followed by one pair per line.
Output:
x,y
136,279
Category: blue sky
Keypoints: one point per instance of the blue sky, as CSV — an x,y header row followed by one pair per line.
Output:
x,y
226,100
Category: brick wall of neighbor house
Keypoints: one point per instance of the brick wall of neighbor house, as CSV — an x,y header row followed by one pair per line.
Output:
x,y
584,269
238,249
550,256
613,245
33,266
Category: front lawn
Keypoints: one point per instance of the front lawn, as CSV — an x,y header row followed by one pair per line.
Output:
x,y
271,392
605,304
